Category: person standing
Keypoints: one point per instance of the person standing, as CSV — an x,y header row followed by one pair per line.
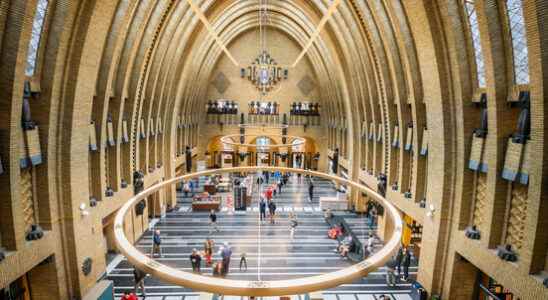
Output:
x,y
195,260
186,188
213,221
208,250
292,224
272,210
243,261
311,191
372,216
156,244
191,186
406,262
262,209
399,258
139,277
299,178
226,253
279,184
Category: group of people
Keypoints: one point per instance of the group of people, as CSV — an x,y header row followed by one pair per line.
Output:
x,y
400,263
305,109
222,107
257,108
219,268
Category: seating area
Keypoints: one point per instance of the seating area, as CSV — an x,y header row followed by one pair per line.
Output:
x,y
356,252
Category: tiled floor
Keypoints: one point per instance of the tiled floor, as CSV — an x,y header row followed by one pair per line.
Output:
x,y
271,254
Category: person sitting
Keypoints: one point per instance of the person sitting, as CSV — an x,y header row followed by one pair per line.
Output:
x,y
346,246
328,214
129,296
335,232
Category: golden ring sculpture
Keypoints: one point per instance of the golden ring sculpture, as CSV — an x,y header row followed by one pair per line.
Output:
x,y
257,288
262,126
227,140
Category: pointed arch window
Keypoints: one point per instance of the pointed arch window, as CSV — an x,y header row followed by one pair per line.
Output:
x,y
516,22
476,41
36,35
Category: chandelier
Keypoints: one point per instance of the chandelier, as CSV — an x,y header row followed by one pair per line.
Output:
x,y
264,71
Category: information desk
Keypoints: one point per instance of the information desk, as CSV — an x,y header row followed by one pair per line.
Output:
x,y
204,202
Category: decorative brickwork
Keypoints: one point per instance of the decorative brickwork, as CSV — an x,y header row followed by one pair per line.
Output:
x,y
480,203
27,201
517,217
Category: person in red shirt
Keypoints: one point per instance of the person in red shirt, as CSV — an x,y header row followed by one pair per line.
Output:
x,y
128,296
269,194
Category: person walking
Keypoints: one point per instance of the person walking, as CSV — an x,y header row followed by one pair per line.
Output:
x,y
213,221
243,261
299,178
370,242
195,260
272,210
292,224
310,191
156,244
390,276
262,209
406,262
226,253
279,184
372,216
139,277
399,258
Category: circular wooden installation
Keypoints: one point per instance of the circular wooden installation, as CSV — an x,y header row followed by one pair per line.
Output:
x,y
263,126
257,288
296,140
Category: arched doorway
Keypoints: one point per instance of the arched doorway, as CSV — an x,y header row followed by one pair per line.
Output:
x,y
219,154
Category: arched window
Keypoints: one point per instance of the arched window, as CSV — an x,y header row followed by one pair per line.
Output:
x,y
263,143
34,44
476,41
519,41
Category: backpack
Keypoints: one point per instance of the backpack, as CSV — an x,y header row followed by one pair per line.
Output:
x,y
157,239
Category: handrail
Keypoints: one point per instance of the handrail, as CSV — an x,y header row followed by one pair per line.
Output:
x,y
256,288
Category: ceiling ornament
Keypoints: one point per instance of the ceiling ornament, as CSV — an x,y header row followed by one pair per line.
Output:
x,y
265,73
221,83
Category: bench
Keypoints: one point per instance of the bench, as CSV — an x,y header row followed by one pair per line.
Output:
x,y
357,254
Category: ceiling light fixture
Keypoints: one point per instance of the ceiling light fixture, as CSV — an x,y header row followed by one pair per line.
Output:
x,y
212,32
330,11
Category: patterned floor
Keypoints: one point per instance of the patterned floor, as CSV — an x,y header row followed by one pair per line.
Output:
x,y
271,254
